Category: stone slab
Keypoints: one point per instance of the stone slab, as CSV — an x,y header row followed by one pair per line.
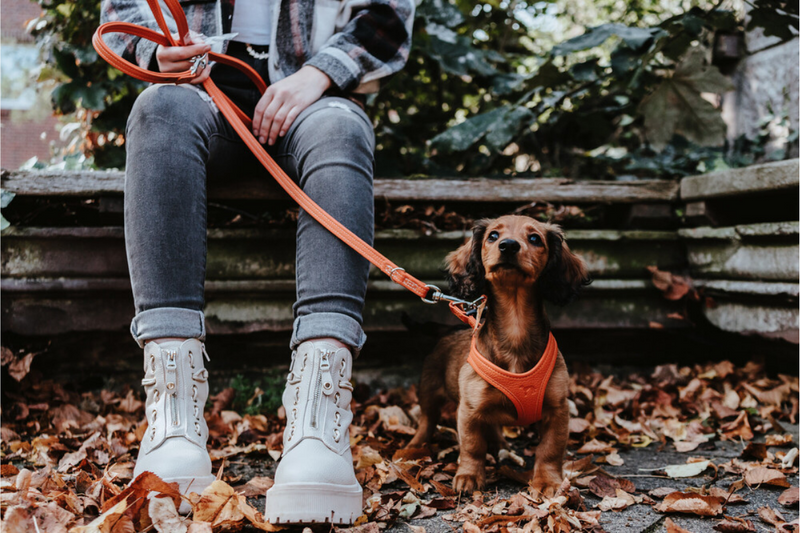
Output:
x,y
767,177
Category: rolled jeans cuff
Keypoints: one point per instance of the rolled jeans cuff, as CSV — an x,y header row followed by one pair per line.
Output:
x,y
336,325
168,322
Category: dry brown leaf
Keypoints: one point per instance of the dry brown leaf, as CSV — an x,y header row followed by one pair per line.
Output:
x,y
660,492
113,520
219,505
755,450
578,425
674,287
672,527
621,500
165,517
761,475
738,429
407,477
682,502
20,366
735,525
257,486
771,516
603,486
469,527
778,440
142,486
595,446
789,497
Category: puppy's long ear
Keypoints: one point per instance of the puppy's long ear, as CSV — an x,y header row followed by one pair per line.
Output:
x,y
464,267
565,272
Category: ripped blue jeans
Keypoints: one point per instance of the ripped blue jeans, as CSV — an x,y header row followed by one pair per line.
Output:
x,y
177,141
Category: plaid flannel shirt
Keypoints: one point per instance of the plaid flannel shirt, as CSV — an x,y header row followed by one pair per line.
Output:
x,y
354,42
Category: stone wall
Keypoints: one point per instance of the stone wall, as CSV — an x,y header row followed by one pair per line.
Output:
x,y
766,77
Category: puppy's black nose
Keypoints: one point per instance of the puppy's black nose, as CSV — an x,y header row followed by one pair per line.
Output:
x,y
509,246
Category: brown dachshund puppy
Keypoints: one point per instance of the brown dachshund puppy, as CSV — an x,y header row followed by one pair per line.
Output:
x,y
517,262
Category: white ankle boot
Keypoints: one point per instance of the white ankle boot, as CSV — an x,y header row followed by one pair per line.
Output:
x,y
174,447
315,481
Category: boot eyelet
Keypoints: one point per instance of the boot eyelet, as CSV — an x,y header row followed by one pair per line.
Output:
x,y
296,395
196,410
336,398
194,393
327,386
191,360
337,418
170,386
341,370
336,435
305,359
197,428
156,395
153,362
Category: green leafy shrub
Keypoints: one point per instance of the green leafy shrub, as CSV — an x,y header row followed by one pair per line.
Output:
x,y
495,88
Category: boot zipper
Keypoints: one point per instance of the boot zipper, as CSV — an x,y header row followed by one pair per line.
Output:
x,y
173,407
324,367
172,378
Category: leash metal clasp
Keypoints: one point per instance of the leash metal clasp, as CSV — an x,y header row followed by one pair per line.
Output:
x,y
199,62
439,296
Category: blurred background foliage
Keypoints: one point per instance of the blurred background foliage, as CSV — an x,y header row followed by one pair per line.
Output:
x,y
598,89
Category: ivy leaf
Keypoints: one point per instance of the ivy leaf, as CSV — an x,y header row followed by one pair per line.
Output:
x,y
505,128
464,135
676,105
440,11
498,126
503,84
776,17
456,54
92,97
635,38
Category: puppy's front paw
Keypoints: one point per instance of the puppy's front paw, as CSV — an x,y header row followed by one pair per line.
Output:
x,y
468,481
546,484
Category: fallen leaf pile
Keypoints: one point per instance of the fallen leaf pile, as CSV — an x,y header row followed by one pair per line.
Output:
x,y
68,456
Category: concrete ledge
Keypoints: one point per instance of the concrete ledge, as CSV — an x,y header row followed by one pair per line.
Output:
x,y
516,190
777,176
767,252
253,254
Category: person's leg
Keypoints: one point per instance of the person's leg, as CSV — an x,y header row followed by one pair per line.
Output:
x,y
331,145
165,211
168,141
331,155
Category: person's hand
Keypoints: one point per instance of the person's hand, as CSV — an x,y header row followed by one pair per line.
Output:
x,y
284,100
179,58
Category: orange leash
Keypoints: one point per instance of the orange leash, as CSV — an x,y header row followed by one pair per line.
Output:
x,y
243,124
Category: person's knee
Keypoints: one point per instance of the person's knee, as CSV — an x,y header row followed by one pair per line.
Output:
x,y
338,129
159,104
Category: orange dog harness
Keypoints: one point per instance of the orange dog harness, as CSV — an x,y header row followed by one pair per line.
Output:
x,y
526,390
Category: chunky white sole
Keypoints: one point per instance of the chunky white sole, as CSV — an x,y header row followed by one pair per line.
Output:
x,y
313,503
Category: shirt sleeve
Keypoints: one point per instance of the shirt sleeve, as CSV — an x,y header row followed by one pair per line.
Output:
x,y
373,45
130,47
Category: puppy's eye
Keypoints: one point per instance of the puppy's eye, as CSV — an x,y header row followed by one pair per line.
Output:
x,y
535,240
493,236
